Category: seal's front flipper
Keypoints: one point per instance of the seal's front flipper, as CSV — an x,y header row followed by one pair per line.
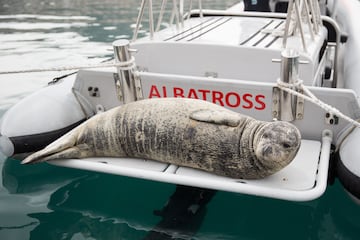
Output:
x,y
224,117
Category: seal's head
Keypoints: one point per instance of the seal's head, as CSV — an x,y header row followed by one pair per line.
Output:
x,y
276,144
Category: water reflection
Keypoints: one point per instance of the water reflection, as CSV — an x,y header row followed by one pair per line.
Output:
x,y
71,204
21,179
22,193
94,207
59,203
332,216
67,203
29,42
338,215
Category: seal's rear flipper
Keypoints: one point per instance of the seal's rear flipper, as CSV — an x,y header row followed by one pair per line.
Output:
x,y
42,156
54,149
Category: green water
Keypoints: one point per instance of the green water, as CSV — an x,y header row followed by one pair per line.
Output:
x,y
47,202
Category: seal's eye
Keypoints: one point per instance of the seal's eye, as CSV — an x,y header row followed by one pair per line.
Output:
x,y
285,145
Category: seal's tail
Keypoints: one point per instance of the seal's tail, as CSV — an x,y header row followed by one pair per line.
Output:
x,y
64,147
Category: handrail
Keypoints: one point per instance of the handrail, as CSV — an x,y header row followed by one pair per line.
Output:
x,y
177,13
295,18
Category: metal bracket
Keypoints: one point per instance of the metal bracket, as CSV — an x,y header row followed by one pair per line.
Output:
x,y
138,87
287,107
276,103
276,109
128,83
118,87
299,111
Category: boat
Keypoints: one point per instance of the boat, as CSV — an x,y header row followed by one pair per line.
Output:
x,y
294,61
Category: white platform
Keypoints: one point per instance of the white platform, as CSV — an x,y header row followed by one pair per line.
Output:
x,y
302,180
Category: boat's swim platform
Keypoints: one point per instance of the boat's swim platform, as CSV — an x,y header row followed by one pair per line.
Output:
x,y
304,179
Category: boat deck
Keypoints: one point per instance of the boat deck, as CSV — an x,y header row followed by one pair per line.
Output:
x,y
238,30
227,46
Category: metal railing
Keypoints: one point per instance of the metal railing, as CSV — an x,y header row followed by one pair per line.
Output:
x,y
299,12
177,14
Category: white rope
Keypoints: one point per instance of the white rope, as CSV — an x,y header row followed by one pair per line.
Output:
x,y
128,65
313,99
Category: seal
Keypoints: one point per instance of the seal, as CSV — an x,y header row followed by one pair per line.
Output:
x,y
185,132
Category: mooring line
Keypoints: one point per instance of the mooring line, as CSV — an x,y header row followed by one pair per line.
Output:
x,y
128,65
313,99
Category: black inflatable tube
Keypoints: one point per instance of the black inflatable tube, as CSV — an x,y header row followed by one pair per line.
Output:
x,y
35,142
348,179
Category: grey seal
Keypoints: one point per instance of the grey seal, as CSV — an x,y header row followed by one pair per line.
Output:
x,y
186,132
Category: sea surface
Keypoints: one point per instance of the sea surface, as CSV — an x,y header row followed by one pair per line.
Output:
x,y
44,202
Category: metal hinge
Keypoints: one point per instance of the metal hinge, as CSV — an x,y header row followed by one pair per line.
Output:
x,y
276,105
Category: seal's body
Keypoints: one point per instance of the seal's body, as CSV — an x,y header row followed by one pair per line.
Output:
x,y
185,132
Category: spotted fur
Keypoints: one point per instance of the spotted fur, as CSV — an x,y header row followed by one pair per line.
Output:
x,y
185,132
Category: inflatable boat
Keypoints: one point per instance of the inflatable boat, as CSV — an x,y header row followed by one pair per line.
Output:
x,y
295,61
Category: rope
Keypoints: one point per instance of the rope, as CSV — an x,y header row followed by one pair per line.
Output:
x,y
313,99
128,65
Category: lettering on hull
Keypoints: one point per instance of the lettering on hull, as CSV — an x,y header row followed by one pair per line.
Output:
x,y
230,99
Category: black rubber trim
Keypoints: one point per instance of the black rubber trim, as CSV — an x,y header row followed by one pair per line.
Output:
x,y
275,38
35,142
256,33
216,26
349,180
191,29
